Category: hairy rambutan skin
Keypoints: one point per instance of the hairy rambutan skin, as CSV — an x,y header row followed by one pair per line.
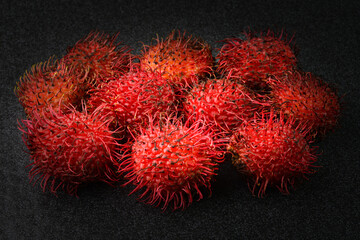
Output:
x,y
133,96
99,57
181,59
222,102
308,99
50,84
256,57
70,149
273,151
171,161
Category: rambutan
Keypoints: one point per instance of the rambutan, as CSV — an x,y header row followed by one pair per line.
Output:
x,y
171,162
70,149
98,57
273,151
133,96
306,98
256,57
181,59
221,102
49,84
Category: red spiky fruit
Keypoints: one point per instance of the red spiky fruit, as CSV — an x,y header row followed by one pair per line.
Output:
x,y
221,102
306,98
273,151
256,57
171,162
70,149
133,96
50,84
99,57
181,59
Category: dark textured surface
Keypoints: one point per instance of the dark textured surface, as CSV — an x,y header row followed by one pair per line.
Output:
x,y
326,206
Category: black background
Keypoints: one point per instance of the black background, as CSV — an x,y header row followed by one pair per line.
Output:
x,y
326,206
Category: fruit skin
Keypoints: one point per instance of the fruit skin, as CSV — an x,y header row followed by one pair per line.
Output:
x,y
181,59
171,162
98,57
307,99
50,84
256,57
273,151
133,96
70,149
222,102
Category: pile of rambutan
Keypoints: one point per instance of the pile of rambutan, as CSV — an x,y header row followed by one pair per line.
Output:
x,y
165,120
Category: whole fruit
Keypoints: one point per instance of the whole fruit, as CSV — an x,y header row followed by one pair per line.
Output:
x,y
307,99
273,151
221,102
171,162
70,149
50,84
98,57
254,58
181,59
128,99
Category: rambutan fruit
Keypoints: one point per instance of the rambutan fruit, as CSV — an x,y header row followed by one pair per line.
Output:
x,y
221,102
181,59
170,162
68,149
49,84
273,151
98,57
133,96
256,57
306,98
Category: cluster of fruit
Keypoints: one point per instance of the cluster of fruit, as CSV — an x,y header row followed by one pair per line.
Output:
x,y
165,119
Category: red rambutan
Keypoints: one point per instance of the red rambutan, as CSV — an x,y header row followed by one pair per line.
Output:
x,y
49,84
181,59
171,161
253,59
98,57
273,151
69,149
221,102
306,98
133,96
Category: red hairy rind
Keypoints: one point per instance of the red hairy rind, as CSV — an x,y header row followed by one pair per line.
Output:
x,y
181,59
306,98
133,96
274,151
50,84
256,57
171,161
70,149
222,102
98,57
